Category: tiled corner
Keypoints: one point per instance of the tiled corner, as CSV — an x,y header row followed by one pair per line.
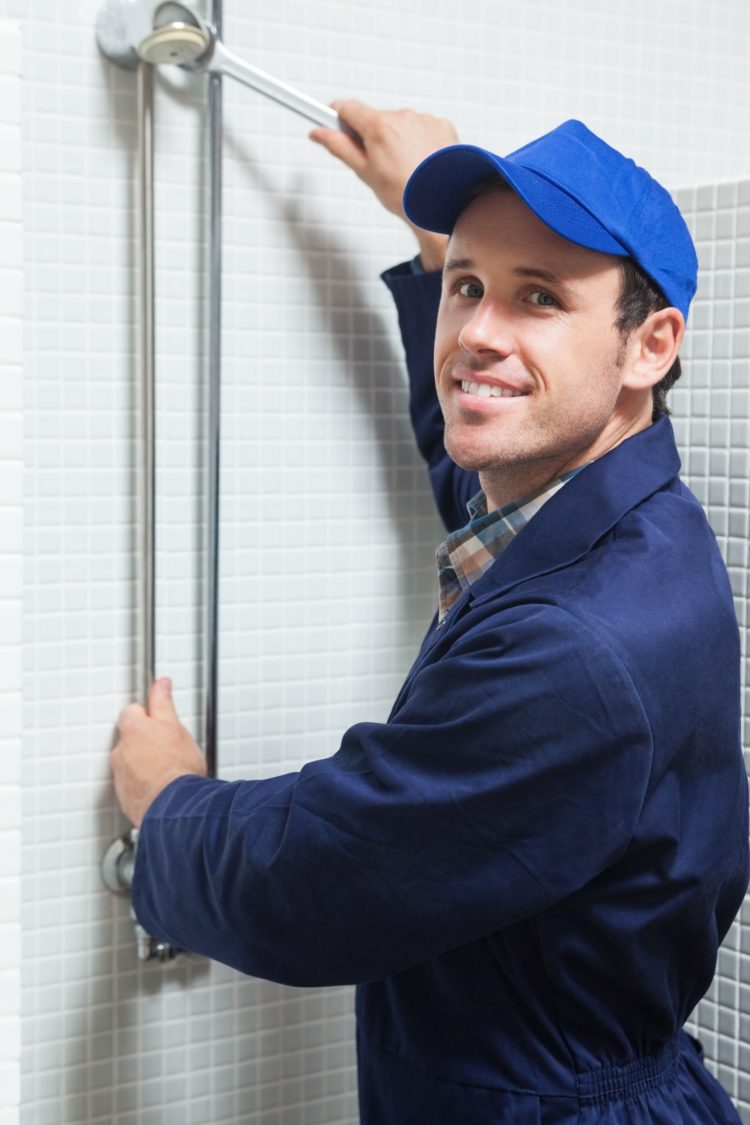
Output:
x,y
712,421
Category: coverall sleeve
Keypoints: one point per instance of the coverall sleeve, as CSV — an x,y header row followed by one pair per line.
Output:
x,y
511,775
417,297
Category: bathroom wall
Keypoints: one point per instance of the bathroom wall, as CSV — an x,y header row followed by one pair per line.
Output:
x,y
327,527
711,409
11,547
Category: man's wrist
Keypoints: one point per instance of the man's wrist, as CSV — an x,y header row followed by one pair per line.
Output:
x,y
158,787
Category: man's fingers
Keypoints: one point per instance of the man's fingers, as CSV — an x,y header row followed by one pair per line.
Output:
x,y
160,702
160,706
341,146
359,115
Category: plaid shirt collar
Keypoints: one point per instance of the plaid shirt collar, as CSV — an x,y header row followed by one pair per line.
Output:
x,y
467,554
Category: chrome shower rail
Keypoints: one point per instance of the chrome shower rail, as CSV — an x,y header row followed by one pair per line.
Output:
x,y
119,859
146,365
142,34
139,35
211,645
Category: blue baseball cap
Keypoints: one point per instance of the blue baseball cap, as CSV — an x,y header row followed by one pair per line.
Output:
x,y
580,187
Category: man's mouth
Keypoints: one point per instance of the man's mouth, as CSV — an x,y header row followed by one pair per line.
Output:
x,y
489,390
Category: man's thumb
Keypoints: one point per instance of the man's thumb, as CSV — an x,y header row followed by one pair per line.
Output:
x,y
160,702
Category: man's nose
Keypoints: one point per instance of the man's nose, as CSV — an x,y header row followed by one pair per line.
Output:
x,y
487,330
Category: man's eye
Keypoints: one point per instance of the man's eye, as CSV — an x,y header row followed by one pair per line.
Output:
x,y
469,289
544,299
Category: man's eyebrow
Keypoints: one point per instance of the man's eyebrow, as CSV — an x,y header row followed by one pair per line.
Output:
x,y
458,264
537,271
454,264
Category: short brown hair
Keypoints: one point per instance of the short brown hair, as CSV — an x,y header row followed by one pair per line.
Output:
x,y
639,297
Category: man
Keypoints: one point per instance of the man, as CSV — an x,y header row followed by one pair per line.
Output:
x,y
527,870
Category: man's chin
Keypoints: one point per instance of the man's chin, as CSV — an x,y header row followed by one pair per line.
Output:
x,y
472,459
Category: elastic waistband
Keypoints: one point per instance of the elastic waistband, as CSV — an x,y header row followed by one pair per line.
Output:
x,y
597,1087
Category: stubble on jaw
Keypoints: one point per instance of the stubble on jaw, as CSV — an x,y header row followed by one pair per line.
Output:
x,y
509,473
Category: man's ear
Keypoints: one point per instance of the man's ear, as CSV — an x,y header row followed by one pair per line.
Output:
x,y
652,348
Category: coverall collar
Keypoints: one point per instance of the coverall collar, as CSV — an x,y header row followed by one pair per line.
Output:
x,y
567,526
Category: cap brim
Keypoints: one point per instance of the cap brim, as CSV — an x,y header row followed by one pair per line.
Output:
x,y
435,195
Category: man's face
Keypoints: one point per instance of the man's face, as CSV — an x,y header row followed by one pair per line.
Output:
x,y
530,316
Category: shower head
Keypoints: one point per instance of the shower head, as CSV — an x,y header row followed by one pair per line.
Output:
x,y
129,31
179,36
133,31
177,43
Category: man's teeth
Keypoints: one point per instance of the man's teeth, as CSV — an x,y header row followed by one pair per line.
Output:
x,y
489,390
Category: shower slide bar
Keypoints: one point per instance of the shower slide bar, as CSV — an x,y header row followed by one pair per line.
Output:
x,y
139,35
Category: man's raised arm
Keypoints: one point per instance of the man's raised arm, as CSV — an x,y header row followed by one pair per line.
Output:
x,y
393,143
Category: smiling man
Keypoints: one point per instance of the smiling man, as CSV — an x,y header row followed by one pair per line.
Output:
x,y
528,868
532,375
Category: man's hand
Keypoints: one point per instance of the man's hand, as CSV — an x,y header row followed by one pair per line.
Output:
x,y
393,143
153,749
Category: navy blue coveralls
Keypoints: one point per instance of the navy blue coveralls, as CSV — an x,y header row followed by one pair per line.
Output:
x,y
528,869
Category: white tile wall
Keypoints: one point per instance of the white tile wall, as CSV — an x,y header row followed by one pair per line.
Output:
x,y
711,409
317,459
11,547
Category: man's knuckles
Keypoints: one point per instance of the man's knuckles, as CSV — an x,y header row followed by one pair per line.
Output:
x,y
131,715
